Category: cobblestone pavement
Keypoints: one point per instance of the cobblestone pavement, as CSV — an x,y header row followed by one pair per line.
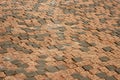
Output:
x,y
59,39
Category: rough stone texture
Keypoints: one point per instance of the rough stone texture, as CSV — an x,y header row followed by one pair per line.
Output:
x,y
59,39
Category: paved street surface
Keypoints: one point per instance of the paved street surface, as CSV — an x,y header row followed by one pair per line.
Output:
x,y
59,39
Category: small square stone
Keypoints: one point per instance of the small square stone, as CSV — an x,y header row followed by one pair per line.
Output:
x,y
61,67
111,67
31,74
87,67
76,76
110,78
43,56
84,49
51,69
118,70
41,72
107,49
117,43
77,59
59,58
84,44
3,51
10,72
30,78
104,59
27,51
101,75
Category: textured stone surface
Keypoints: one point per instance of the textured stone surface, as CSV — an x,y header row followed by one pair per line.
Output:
x,y
59,39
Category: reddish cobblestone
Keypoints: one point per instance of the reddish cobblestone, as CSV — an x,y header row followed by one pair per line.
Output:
x,y
59,40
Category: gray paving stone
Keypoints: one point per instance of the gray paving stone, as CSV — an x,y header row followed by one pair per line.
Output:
x,y
84,49
30,78
56,21
22,65
110,78
33,44
31,74
104,59
41,72
42,1
101,75
42,21
3,51
10,72
103,20
87,67
117,43
20,70
111,67
51,47
118,70
51,69
27,51
23,36
15,62
27,30
59,58
61,67
41,61
107,49
43,56
71,23
77,59
79,77
84,44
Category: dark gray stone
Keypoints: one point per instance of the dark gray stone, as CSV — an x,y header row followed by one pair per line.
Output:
x,y
3,51
111,67
77,59
27,51
31,74
51,69
103,20
10,72
42,21
61,67
107,49
87,67
110,78
41,72
101,75
79,77
84,49
117,43
118,70
84,44
43,56
104,59
59,58
27,30
42,1
30,78
51,47
15,62
20,70
33,44
23,36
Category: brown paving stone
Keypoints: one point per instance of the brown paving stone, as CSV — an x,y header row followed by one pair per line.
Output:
x,y
57,38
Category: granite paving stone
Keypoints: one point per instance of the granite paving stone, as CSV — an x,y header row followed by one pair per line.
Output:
x,y
101,75
111,67
77,59
107,49
51,69
87,67
118,70
110,78
104,59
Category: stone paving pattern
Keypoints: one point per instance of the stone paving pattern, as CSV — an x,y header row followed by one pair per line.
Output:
x,y
59,40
